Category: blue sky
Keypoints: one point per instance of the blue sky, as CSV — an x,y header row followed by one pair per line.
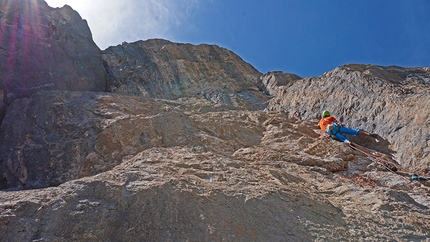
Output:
x,y
304,37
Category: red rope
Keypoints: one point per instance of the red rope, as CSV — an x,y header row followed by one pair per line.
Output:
x,y
378,160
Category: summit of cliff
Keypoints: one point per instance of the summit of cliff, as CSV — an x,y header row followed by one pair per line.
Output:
x,y
161,69
163,141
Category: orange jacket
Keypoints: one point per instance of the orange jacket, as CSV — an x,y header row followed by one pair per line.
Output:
x,y
325,121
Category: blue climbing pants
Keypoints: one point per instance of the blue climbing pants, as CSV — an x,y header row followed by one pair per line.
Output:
x,y
338,130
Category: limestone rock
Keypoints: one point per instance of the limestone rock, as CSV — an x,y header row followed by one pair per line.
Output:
x,y
171,170
46,137
184,193
182,150
161,69
42,48
272,81
54,137
390,101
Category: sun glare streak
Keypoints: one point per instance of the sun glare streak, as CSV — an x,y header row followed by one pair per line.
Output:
x,y
9,42
21,23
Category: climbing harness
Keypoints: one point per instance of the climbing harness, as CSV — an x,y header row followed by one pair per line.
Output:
x,y
333,129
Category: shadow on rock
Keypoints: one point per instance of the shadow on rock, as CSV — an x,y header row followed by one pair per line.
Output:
x,y
377,143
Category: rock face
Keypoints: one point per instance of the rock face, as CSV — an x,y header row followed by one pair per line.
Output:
x,y
77,134
279,190
42,48
183,148
390,101
54,136
273,80
162,69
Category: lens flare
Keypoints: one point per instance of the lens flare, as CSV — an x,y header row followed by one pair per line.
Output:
x,y
21,22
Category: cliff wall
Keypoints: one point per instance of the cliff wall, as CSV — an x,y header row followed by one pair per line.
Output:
x,y
162,141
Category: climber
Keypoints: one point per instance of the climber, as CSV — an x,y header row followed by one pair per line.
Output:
x,y
334,129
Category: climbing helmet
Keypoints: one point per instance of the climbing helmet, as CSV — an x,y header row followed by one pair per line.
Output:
x,y
325,113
